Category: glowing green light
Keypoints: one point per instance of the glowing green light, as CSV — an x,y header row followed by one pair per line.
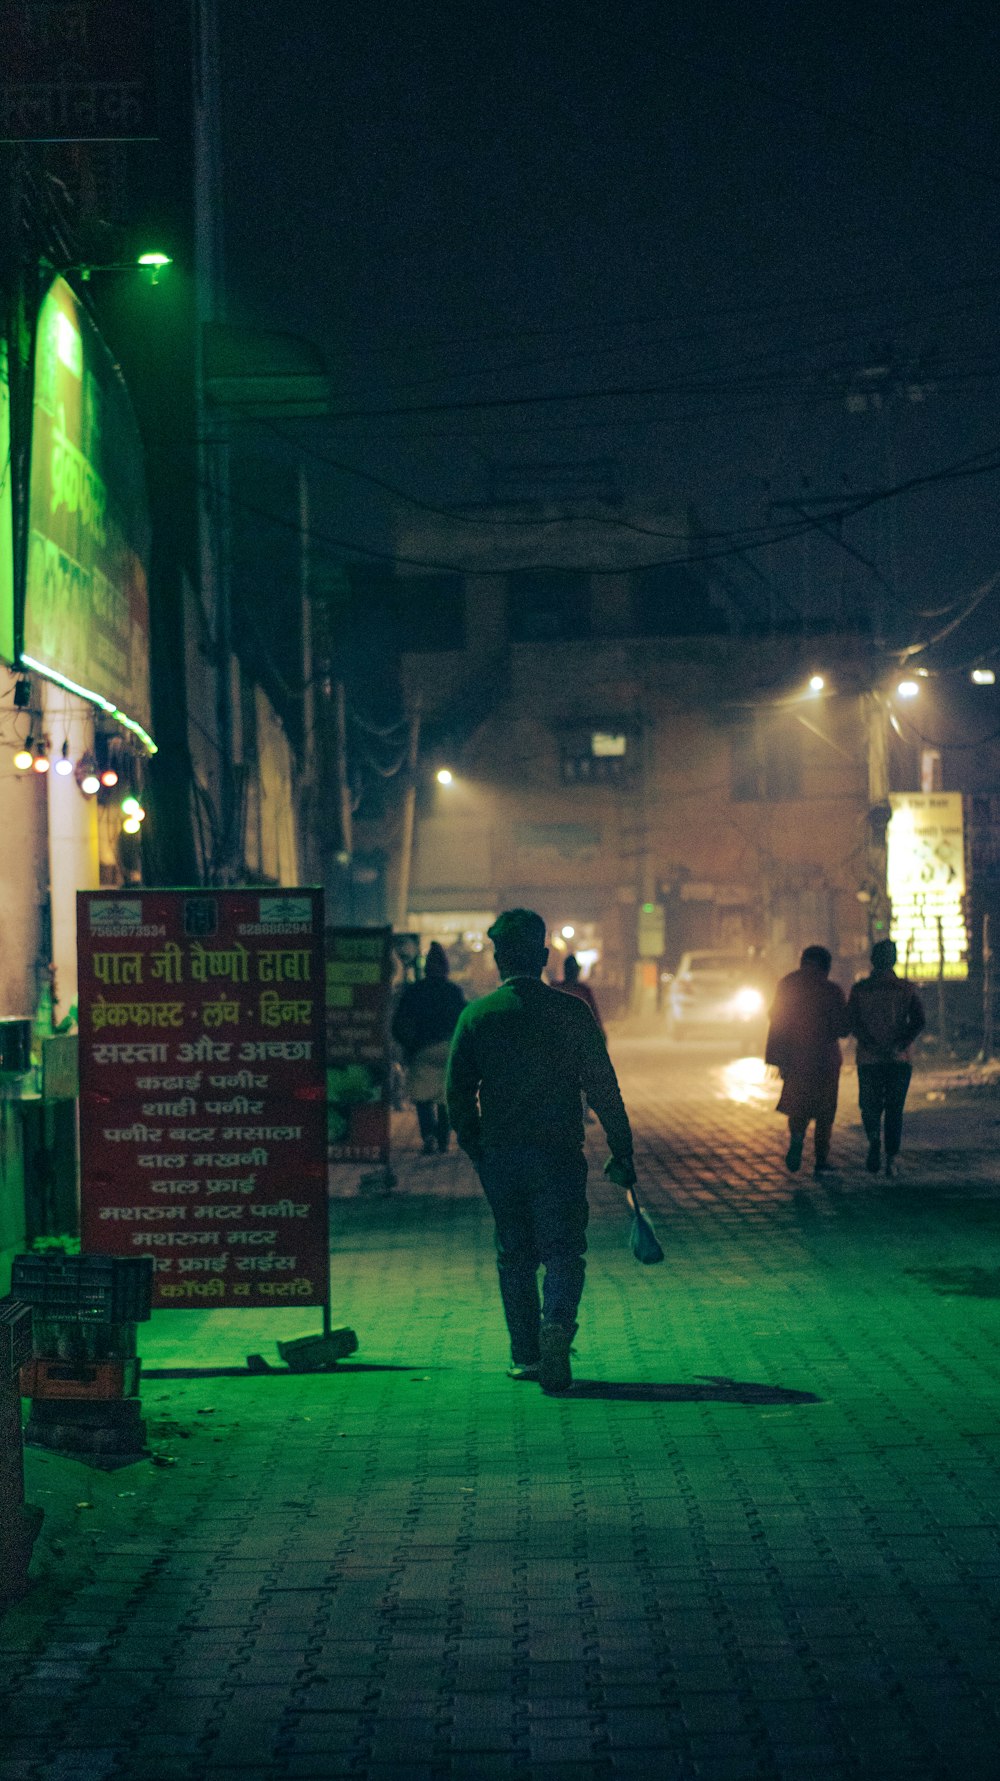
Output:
x,y
649,909
131,807
98,699
158,260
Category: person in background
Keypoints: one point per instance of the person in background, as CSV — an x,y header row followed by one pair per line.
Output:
x,y
425,1018
520,1060
573,985
808,1016
885,1015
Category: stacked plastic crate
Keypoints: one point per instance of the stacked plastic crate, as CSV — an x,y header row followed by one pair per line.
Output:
x,y
83,1373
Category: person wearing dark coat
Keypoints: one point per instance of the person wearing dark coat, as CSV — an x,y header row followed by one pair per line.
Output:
x,y
808,1016
422,1026
521,1061
573,985
885,1014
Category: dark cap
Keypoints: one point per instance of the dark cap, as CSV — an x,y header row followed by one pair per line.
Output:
x,y
518,930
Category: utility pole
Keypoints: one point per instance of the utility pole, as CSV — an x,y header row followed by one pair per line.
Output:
x,y
313,850
344,799
986,1053
879,813
409,815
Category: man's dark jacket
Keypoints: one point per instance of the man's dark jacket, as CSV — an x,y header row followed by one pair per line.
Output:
x,y
427,1014
520,1060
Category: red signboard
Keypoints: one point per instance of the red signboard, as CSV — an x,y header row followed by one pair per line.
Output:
x,y
358,993
202,1092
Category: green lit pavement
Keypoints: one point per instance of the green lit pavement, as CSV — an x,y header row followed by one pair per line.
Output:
x,y
759,1539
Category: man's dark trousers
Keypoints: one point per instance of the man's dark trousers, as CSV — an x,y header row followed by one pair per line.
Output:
x,y
882,1089
538,1198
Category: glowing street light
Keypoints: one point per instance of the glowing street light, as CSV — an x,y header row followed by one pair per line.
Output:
x,y
907,689
445,776
567,932
156,263
816,683
983,677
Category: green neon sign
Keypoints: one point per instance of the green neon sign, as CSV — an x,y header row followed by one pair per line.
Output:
x,y
86,619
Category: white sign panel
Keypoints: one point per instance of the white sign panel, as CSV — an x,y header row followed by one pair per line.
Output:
x,y
926,883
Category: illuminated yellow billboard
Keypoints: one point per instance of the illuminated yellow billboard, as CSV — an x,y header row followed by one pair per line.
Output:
x,y
926,883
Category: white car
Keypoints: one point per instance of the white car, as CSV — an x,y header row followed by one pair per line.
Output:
x,y
718,993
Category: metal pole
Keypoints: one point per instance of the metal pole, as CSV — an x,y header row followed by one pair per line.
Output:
x,y
343,781
312,852
409,814
987,1050
942,1021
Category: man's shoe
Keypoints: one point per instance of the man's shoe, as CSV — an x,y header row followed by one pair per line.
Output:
x,y
873,1161
793,1160
516,1371
554,1373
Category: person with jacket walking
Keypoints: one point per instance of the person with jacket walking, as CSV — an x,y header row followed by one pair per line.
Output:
x,y
425,1018
521,1060
808,1016
885,1015
572,984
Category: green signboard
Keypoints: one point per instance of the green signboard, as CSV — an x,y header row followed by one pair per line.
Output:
x,y
6,519
86,620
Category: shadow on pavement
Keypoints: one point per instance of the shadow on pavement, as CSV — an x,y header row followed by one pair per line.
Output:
x,y
272,1372
714,1390
968,1283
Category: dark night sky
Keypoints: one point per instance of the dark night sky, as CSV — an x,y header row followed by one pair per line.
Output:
x,y
743,205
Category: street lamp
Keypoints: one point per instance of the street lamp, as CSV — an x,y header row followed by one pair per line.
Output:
x,y
907,689
816,683
445,776
983,677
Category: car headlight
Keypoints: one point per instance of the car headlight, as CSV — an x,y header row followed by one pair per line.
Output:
x,y
747,1002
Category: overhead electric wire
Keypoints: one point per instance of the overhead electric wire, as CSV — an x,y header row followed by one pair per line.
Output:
x,y
768,355
981,463
843,304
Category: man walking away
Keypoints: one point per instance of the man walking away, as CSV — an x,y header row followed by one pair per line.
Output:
x,y
808,1016
573,985
422,1026
520,1060
885,1015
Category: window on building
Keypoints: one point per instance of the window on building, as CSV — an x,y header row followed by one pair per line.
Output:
x,y
597,757
767,760
548,605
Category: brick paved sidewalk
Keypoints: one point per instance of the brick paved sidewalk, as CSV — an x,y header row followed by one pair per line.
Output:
x,y
759,1539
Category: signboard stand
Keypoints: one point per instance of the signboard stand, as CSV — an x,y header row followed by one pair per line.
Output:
x,y
203,1127
359,1071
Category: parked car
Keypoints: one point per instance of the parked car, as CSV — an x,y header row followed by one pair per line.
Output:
x,y
719,993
